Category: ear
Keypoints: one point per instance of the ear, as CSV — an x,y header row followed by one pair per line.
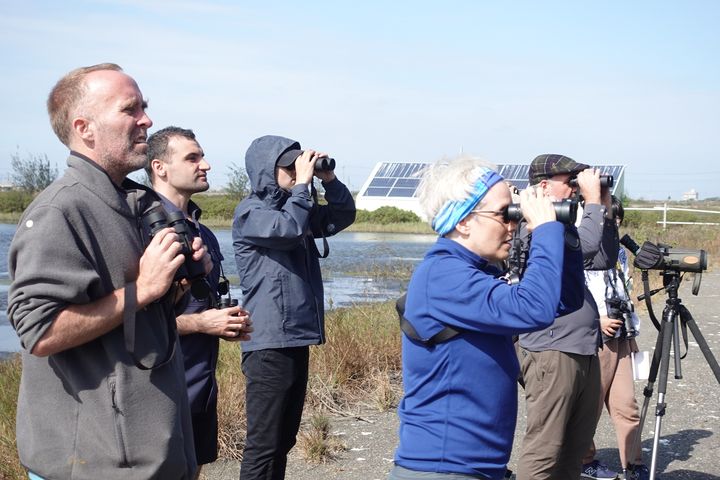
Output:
x,y
463,228
544,186
158,168
83,129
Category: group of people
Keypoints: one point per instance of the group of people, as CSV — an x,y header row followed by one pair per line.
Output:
x,y
475,334
119,298
120,340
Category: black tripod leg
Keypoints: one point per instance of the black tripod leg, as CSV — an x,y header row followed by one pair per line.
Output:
x,y
704,347
669,318
648,390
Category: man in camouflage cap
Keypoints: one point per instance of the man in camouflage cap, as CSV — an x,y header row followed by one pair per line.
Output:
x,y
559,364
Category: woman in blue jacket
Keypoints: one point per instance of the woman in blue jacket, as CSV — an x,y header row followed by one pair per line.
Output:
x,y
458,414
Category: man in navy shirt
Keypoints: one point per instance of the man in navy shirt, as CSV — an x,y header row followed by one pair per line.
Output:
x,y
177,169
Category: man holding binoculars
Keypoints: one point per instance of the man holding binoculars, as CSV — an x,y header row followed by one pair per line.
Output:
x,y
274,231
177,169
559,365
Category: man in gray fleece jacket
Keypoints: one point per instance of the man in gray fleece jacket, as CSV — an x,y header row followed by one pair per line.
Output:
x,y
92,299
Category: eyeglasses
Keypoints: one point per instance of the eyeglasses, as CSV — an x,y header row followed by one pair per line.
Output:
x,y
497,213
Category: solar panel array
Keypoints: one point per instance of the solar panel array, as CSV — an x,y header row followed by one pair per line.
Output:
x,y
395,180
402,179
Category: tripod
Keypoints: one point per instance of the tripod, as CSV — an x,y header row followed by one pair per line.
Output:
x,y
675,315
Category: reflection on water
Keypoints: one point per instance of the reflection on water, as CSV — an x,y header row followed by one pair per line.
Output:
x,y
361,267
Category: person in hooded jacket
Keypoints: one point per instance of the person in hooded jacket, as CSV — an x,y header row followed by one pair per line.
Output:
x,y
274,231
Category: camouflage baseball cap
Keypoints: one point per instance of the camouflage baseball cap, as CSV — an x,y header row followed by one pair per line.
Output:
x,y
550,164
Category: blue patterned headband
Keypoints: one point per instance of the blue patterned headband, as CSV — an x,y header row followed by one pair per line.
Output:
x,y
453,211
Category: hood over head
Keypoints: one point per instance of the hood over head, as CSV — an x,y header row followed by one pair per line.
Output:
x,y
260,160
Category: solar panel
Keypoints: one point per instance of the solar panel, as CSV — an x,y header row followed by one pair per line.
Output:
x,y
377,192
400,180
408,182
382,182
402,192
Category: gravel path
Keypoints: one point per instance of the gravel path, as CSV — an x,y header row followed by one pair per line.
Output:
x,y
689,443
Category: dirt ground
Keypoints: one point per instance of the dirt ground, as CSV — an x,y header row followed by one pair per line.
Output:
x,y
689,445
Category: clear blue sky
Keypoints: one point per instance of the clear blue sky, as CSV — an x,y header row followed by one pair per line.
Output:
x,y
617,82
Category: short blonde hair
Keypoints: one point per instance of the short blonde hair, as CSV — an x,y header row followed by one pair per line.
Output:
x,y
449,180
67,95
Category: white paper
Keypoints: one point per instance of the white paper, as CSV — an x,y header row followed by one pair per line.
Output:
x,y
641,365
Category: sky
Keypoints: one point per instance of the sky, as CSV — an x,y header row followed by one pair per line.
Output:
x,y
635,83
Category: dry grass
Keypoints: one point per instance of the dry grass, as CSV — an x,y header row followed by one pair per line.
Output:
x,y
409,227
231,402
317,442
10,467
362,350
357,368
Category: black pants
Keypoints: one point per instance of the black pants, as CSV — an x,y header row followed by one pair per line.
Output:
x,y
275,385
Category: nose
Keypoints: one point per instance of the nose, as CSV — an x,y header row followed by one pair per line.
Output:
x,y
204,165
145,121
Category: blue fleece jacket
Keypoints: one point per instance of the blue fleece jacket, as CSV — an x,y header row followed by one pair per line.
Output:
x,y
460,405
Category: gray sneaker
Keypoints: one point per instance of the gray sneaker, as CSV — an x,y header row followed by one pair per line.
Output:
x,y
597,471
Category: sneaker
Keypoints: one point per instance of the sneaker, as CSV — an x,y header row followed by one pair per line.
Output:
x,y
638,472
597,471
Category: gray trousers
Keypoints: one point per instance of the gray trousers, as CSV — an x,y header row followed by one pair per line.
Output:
x,y
400,473
561,393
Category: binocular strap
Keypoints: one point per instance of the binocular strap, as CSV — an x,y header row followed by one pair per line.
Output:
x,y
130,319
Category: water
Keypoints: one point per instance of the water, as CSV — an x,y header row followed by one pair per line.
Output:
x,y
355,270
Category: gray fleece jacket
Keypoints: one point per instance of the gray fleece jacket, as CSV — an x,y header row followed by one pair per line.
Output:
x,y
88,412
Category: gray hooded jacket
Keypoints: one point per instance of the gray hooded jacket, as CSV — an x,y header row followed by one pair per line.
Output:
x,y
276,256
88,412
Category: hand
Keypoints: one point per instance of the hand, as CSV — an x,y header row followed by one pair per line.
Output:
x,y
158,264
200,254
609,326
536,208
589,185
232,323
305,167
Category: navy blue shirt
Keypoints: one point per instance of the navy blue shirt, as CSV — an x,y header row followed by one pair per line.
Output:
x,y
200,351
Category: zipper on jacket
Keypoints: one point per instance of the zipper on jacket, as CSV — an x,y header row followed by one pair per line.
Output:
x,y
117,414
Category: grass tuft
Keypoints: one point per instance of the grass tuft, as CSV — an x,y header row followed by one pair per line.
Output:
x,y
317,443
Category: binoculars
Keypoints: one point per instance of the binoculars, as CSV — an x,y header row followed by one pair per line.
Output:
x,y
155,220
565,211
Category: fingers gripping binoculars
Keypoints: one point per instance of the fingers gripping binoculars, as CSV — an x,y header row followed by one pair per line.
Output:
x,y
194,271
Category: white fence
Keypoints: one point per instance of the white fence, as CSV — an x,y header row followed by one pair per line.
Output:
x,y
665,209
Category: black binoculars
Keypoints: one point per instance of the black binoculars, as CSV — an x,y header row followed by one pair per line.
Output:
x,y
155,220
227,302
325,164
606,181
565,211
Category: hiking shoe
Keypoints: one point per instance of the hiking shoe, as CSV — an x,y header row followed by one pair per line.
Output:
x,y
638,472
597,471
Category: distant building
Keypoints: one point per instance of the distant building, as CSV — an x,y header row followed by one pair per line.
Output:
x,y
691,195
395,184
